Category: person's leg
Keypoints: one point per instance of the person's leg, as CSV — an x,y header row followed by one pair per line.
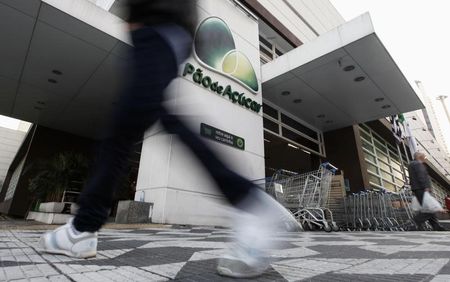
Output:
x,y
259,216
154,66
434,222
420,217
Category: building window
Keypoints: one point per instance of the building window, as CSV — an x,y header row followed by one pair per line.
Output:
x,y
268,50
292,130
439,192
383,161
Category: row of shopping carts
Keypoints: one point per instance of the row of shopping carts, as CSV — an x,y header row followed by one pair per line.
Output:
x,y
305,195
379,210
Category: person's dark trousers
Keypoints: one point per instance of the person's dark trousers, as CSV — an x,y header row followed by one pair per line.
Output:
x,y
421,217
154,67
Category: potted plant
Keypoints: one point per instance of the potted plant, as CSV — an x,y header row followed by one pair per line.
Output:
x,y
54,176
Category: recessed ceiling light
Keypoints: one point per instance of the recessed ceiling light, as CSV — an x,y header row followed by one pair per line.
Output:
x,y
359,78
38,108
379,99
41,102
57,72
349,68
329,121
386,107
293,146
285,93
423,129
414,118
297,101
51,80
321,116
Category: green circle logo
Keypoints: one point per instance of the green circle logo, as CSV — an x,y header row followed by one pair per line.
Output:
x,y
214,46
240,143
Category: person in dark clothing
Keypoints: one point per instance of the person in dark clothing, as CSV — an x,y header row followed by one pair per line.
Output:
x,y
162,32
420,183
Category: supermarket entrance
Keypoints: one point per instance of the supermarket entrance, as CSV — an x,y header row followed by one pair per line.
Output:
x,y
280,154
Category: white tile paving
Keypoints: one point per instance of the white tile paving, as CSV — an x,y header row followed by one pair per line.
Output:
x,y
297,258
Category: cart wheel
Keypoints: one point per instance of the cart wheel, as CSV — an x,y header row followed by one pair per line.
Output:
x,y
327,227
335,227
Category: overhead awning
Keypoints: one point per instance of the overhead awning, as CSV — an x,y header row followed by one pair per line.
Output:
x,y
61,62
344,77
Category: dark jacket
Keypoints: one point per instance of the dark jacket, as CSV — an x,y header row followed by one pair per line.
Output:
x,y
155,12
418,176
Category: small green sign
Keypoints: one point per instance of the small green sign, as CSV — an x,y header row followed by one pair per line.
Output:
x,y
221,136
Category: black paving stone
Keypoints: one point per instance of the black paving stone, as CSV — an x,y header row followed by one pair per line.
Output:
x,y
420,255
218,239
390,242
206,271
14,263
201,231
366,278
348,252
445,269
328,239
117,245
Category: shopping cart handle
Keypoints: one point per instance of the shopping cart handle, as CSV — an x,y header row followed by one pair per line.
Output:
x,y
329,166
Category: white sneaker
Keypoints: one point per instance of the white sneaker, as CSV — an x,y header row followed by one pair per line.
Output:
x,y
260,217
243,263
65,241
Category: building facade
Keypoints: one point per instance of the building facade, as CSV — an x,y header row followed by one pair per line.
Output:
x,y
294,85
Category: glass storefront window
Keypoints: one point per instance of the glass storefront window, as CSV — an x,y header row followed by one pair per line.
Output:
x,y
368,146
270,125
372,168
365,136
271,112
386,175
382,156
380,146
399,182
374,179
397,173
370,157
384,165
382,159
278,122
388,185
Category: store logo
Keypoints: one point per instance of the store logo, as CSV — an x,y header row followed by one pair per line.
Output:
x,y
214,47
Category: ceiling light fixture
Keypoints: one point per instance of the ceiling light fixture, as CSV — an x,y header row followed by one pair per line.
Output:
x,y
349,68
329,121
386,107
379,99
57,72
304,151
359,79
321,116
51,80
285,93
297,101
293,146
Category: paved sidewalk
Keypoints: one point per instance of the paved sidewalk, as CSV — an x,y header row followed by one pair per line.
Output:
x,y
155,254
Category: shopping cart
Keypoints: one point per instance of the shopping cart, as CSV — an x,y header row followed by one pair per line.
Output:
x,y
379,210
306,195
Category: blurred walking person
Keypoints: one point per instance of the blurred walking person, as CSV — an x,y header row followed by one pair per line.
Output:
x,y
421,185
162,33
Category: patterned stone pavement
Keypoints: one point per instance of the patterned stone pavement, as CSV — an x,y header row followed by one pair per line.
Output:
x,y
158,254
